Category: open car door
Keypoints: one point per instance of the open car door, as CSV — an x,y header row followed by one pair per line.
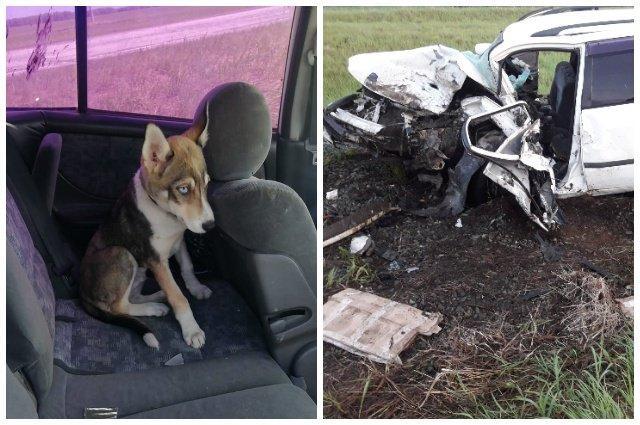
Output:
x,y
518,164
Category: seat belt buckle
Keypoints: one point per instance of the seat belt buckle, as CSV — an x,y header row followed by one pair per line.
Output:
x,y
100,412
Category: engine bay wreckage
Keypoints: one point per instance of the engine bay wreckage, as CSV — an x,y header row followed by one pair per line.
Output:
x,y
447,114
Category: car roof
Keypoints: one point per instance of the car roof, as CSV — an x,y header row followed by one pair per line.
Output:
x,y
568,26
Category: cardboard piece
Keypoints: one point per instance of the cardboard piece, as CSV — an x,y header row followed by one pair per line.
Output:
x,y
626,305
374,327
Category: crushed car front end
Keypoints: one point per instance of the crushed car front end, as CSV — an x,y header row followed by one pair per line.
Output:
x,y
440,111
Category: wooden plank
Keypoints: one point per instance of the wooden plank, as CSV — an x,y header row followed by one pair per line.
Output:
x,y
355,222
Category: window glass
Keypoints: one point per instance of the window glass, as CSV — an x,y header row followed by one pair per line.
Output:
x,y
608,79
163,60
41,57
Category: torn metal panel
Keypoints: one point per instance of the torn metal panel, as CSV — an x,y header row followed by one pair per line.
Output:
x,y
357,122
514,176
516,182
506,121
374,327
423,78
518,164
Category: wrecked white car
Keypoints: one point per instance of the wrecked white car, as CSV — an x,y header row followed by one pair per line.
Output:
x,y
540,137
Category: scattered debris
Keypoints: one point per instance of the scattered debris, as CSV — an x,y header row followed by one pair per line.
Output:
x,y
394,265
374,327
332,195
355,222
596,269
550,252
626,305
534,293
434,179
458,222
175,360
361,245
364,125
389,255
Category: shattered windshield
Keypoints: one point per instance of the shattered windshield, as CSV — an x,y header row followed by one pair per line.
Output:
x,y
482,63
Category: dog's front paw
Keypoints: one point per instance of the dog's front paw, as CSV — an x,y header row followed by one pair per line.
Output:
x,y
198,290
157,309
194,337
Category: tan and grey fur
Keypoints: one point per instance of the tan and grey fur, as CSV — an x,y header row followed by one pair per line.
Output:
x,y
167,195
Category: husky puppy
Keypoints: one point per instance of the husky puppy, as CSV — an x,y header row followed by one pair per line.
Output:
x,y
167,195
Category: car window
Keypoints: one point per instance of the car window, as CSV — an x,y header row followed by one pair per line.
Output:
x,y
163,60
41,57
608,79
535,70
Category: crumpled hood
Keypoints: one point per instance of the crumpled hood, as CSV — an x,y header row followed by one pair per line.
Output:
x,y
423,78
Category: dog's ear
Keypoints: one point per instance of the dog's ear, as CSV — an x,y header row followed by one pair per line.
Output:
x,y
156,151
197,131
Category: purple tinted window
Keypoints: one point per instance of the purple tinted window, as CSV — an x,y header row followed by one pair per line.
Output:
x,y
41,57
163,60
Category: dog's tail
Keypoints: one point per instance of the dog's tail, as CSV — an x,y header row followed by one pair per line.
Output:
x,y
123,320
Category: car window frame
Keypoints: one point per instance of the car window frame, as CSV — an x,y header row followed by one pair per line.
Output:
x,y
587,102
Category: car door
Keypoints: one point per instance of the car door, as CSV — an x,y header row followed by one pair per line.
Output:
x,y
517,165
607,117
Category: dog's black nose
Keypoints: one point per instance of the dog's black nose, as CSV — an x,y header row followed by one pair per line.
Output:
x,y
209,225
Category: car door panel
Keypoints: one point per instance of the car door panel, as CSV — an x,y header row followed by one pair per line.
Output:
x,y
607,148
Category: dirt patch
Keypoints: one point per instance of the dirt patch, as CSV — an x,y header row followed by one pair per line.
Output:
x,y
488,278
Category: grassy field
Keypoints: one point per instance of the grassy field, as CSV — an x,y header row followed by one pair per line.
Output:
x,y
170,75
350,30
21,36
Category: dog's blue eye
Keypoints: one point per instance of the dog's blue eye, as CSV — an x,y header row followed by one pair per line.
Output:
x,y
183,190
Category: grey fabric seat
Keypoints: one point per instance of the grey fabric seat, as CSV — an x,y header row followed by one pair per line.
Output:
x,y
84,344
217,388
61,361
244,384
265,236
562,94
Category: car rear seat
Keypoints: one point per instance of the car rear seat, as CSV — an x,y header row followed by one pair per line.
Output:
x,y
246,384
86,345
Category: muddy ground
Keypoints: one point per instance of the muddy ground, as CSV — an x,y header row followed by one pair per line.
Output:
x,y
491,270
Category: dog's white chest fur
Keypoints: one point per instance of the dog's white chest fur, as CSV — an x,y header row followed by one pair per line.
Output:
x,y
167,230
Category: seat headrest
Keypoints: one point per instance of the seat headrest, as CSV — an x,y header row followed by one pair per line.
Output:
x,y
237,130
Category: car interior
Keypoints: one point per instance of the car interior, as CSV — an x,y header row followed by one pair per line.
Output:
x,y
66,169
556,109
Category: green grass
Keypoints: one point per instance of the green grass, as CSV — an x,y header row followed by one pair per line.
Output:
x,y
355,272
352,30
547,66
569,384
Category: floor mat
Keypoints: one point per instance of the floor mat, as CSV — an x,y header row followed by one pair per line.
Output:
x,y
85,344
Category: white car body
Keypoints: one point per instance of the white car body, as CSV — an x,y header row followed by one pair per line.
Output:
x,y
602,146
600,159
